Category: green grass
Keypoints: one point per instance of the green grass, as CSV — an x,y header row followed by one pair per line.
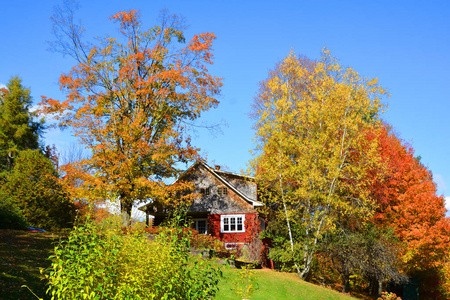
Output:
x,y
269,284
22,253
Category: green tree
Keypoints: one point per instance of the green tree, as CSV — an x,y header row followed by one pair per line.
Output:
x,y
131,100
369,251
18,130
33,186
311,150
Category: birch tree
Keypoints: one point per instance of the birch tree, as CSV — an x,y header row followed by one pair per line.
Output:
x,y
310,147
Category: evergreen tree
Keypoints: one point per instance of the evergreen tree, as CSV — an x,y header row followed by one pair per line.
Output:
x,y
18,130
32,185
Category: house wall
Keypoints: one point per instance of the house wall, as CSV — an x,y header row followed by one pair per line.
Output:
x,y
251,223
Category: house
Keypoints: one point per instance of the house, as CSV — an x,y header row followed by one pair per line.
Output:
x,y
225,207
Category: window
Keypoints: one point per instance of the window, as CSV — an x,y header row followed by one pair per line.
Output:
x,y
222,191
205,191
231,246
201,225
232,223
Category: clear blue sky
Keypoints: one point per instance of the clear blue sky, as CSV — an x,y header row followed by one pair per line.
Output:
x,y
406,44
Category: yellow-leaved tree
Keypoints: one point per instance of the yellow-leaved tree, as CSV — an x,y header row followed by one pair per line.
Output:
x,y
311,151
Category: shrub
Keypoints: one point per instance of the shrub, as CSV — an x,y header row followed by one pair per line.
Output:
x,y
103,262
34,188
10,215
389,296
196,240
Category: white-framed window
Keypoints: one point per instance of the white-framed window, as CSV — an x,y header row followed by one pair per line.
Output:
x,y
201,225
232,223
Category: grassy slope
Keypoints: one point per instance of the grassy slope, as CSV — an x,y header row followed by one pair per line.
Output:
x,y
22,253
275,285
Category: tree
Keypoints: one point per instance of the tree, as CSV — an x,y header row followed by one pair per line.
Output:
x,y
18,130
406,197
33,186
130,101
368,250
310,119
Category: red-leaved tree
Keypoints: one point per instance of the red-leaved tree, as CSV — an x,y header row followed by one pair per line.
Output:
x,y
407,200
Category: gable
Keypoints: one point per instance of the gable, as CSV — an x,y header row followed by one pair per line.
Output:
x,y
229,193
216,202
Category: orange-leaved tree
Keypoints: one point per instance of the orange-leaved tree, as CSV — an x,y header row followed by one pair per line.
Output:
x,y
130,101
407,201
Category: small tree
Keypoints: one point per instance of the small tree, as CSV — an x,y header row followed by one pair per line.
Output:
x,y
368,251
33,186
18,130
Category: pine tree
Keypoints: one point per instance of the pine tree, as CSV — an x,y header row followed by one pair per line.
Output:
x,y
18,130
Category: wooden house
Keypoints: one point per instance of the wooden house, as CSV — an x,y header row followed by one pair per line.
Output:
x,y
225,207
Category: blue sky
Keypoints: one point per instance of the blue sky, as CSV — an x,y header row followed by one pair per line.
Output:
x,y
405,44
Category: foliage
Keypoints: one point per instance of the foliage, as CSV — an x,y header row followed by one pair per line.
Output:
x,y
32,185
10,215
371,252
389,296
407,201
196,240
312,152
18,131
102,262
130,100
245,282
445,274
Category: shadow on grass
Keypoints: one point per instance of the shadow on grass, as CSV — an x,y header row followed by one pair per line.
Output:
x,y
22,253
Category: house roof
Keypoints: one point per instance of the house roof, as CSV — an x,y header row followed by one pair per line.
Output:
x,y
220,175
217,173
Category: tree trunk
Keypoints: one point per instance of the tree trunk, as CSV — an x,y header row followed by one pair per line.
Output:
x,y
345,282
125,211
380,287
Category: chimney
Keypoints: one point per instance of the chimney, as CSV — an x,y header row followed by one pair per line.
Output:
x,y
217,167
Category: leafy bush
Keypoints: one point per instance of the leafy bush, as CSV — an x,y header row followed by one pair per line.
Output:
x,y
103,262
10,215
34,188
389,296
196,240
283,258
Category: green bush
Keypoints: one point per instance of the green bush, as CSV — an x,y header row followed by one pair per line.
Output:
x,y
10,215
103,262
34,188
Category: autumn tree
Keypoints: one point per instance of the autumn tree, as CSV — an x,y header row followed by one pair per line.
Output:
x,y
407,201
18,130
33,186
310,116
131,101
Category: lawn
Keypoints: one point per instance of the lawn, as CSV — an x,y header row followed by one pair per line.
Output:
x,y
22,253
269,284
